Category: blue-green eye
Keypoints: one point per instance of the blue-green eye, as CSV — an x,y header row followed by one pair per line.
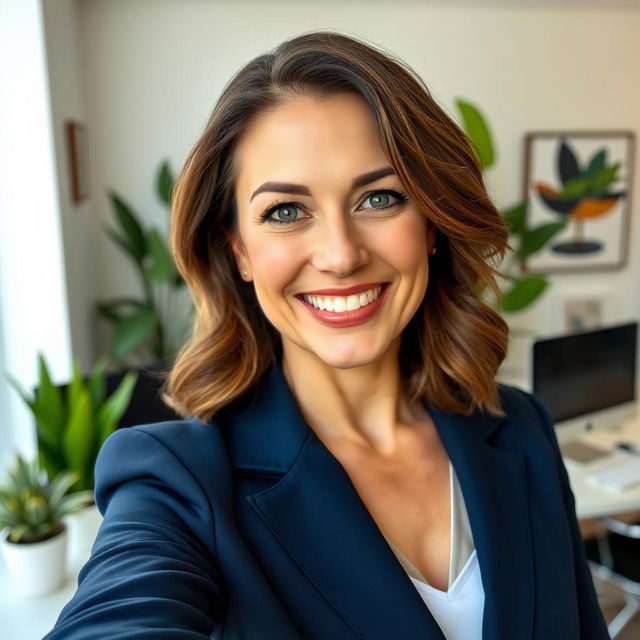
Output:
x,y
287,211
382,198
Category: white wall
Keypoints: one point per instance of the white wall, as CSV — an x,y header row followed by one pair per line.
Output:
x,y
33,296
153,71
64,62
144,75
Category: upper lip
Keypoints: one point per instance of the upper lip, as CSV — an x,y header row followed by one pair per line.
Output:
x,y
356,288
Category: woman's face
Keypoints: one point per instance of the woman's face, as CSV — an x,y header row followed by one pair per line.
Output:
x,y
339,222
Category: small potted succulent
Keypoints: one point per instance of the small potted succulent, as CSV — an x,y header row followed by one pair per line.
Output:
x,y
34,535
72,423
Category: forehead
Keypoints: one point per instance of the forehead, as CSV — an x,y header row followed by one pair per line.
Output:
x,y
309,137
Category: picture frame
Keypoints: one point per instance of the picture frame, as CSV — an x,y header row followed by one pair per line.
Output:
x,y
78,153
581,309
581,178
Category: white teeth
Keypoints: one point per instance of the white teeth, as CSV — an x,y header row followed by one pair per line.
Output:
x,y
341,304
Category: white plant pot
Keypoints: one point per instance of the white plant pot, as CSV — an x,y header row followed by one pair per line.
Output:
x,y
83,528
37,567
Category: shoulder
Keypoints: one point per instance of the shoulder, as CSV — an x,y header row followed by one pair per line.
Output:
x,y
526,417
518,402
187,455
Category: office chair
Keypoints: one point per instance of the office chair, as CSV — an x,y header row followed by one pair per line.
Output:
x,y
614,557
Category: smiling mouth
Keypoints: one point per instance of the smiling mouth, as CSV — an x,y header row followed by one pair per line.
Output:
x,y
344,304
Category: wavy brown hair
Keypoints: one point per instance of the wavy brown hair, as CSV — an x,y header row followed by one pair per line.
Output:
x,y
452,348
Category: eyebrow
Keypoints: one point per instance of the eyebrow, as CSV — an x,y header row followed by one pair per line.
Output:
x,y
300,189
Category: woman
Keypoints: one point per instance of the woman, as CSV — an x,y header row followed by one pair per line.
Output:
x,y
347,466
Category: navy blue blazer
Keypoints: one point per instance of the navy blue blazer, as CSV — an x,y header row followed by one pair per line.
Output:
x,y
249,528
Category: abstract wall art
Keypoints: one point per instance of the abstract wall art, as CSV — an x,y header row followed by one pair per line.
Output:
x,y
584,180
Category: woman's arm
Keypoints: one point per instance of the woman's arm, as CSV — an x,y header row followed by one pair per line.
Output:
x,y
151,573
592,624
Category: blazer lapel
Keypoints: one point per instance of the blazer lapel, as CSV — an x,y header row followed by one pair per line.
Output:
x,y
494,486
310,511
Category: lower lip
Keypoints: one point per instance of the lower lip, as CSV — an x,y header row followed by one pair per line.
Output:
x,y
346,318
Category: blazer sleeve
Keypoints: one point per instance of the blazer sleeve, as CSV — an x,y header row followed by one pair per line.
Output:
x,y
592,624
150,575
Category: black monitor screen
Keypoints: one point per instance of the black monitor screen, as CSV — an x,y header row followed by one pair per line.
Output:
x,y
585,372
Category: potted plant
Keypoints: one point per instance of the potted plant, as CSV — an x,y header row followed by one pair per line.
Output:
x,y
71,427
153,325
34,535
523,290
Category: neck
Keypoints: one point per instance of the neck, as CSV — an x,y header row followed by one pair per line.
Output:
x,y
364,406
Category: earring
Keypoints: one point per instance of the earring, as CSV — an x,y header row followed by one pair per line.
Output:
x,y
244,273
432,251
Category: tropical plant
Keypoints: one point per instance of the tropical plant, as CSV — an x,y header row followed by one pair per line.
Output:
x,y
154,325
522,290
32,506
72,427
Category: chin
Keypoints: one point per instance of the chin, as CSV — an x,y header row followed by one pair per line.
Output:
x,y
349,358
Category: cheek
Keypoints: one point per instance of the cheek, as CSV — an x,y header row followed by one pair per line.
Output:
x,y
405,244
274,264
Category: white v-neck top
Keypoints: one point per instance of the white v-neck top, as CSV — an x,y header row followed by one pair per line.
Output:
x,y
458,611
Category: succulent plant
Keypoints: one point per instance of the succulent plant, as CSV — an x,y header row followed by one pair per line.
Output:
x,y
32,506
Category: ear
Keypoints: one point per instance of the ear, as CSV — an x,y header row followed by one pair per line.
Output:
x,y
240,254
431,236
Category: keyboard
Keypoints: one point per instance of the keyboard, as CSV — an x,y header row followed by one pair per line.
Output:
x,y
619,477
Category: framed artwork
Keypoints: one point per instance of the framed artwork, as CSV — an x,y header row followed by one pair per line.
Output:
x,y
582,179
78,153
581,310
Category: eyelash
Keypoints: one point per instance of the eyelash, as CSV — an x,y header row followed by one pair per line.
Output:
x,y
265,217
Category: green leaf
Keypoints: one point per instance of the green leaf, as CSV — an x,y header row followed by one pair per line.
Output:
x,y
51,457
132,331
515,217
18,532
124,245
60,485
476,128
534,239
597,162
119,308
159,267
79,437
75,387
113,409
97,382
164,183
131,230
523,292
605,177
50,411
35,512
25,475
72,503
575,188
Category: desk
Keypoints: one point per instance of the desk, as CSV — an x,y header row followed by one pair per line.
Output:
x,y
592,501
30,618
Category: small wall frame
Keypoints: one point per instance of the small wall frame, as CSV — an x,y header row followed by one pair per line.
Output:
x,y
78,153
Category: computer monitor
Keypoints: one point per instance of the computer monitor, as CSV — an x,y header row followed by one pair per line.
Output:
x,y
587,380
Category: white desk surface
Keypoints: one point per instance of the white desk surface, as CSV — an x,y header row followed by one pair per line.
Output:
x,y
30,618
592,501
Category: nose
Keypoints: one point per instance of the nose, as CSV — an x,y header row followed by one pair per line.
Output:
x,y
339,248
